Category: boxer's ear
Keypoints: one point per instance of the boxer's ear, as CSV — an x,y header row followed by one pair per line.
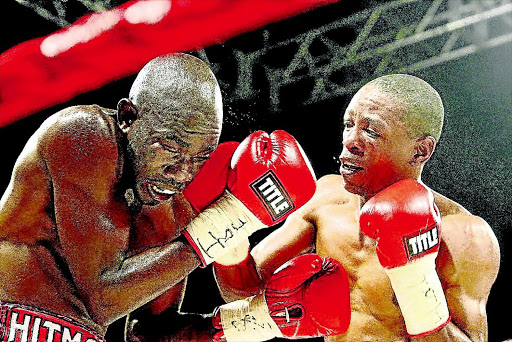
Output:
x,y
423,150
126,114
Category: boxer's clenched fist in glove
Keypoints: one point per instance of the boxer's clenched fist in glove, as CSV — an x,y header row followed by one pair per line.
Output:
x,y
406,224
211,181
269,177
308,296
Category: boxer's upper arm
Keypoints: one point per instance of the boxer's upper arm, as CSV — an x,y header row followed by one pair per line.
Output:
x,y
475,262
81,157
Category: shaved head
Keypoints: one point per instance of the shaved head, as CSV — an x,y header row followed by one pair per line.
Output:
x,y
172,121
423,109
177,87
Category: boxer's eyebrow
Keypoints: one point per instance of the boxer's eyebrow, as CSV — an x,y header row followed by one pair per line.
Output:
x,y
376,122
183,143
177,140
210,148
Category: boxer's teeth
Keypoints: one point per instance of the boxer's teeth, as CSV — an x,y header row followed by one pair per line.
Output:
x,y
162,191
351,166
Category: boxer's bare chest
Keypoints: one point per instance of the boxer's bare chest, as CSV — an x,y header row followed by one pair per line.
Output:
x,y
375,312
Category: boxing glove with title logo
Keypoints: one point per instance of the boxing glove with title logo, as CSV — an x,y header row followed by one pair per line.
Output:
x,y
306,297
405,221
269,177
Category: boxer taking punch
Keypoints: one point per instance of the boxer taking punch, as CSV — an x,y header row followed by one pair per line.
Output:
x,y
271,175
242,188
95,223
420,266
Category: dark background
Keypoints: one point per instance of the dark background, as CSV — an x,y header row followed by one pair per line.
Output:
x,y
471,164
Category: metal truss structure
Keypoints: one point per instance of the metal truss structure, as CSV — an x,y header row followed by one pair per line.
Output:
x,y
337,57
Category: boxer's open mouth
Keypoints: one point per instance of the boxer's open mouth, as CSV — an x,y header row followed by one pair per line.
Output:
x,y
159,193
351,167
162,191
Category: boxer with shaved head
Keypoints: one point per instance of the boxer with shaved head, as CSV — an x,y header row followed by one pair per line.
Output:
x,y
99,217
420,266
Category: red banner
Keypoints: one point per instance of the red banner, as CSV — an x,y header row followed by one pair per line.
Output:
x,y
105,46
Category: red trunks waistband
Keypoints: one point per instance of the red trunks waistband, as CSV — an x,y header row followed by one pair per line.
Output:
x,y
19,323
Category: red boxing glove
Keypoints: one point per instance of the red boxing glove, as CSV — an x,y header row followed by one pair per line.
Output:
x,y
405,221
306,297
270,177
209,184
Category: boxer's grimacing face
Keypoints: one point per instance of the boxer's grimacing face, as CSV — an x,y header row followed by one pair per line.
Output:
x,y
169,153
377,148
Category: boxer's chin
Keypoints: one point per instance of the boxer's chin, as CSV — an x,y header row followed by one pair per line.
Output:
x,y
360,188
353,183
356,190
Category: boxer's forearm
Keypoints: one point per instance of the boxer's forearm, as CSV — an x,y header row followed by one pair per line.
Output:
x,y
140,278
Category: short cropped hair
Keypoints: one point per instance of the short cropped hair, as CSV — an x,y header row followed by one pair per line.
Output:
x,y
424,111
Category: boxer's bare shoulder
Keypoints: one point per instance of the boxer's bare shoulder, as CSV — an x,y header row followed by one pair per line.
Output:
x,y
78,125
80,145
467,264
31,181
89,117
330,197
470,243
463,231
330,190
332,187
